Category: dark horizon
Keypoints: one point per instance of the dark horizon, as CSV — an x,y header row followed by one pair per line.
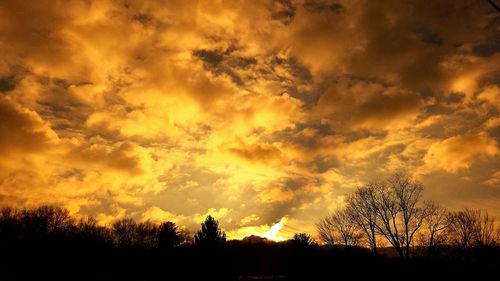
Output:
x,y
47,243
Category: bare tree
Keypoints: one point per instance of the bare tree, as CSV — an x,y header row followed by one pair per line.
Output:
x,y
87,229
338,226
497,236
325,231
345,226
394,202
485,230
361,211
435,222
46,220
10,227
147,234
471,227
125,232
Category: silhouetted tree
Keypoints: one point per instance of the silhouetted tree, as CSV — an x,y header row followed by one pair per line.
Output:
x,y
210,234
169,236
129,233
471,227
303,240
325,232
45,221
361,211
436,220
398,216
44,237
125,232
497,236
339,226
345,226
88,230
147,234
485,229
10,227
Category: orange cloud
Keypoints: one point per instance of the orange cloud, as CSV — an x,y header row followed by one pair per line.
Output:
x,y
276,195
459,152
367,106
22,130
250,111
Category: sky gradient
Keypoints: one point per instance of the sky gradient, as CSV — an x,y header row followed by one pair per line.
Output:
x,y
256,112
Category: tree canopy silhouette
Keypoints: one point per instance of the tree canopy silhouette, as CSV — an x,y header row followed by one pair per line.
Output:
x,y
48,237
303,240
210,234
169,236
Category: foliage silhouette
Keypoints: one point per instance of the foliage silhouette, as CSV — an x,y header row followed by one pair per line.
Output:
x,y
210,234
472,227
169,236
390,211
56,246
303,240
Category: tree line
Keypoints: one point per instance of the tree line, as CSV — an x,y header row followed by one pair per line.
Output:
x,y
47,224
383,215
388,212
392,211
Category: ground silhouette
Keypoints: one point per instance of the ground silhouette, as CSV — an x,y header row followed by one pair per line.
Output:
x,y
46,243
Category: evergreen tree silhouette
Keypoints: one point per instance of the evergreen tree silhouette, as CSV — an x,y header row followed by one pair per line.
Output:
x,y
210,234
169,236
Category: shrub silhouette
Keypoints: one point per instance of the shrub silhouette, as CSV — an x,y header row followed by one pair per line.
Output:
x,y
303,240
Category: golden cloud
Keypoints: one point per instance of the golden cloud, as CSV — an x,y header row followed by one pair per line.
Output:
x,y
22,130
459,152
367,106
250,111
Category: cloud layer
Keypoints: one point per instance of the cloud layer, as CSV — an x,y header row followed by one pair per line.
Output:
x,y
252,111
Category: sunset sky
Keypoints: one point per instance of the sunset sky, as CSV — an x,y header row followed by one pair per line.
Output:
x,y
257,112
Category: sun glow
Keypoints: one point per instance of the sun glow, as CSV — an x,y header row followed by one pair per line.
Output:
x,y
272,233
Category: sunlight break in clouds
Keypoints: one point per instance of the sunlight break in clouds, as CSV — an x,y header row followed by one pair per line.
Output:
x,y
272,234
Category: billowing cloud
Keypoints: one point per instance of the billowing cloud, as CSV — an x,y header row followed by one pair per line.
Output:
x,y
369,106
251,111
459,152
22,130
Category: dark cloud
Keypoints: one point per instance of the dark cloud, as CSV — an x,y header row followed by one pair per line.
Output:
x,y
211,58
7,83
22,130
323,6
323,164
122,157
283,10
223,62
258,152
57,104
369,106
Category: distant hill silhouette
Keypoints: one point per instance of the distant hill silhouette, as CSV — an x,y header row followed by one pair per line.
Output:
x,y
254,239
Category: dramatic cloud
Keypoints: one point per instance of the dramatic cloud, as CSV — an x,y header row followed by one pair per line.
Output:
x,y
262,113
459,152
